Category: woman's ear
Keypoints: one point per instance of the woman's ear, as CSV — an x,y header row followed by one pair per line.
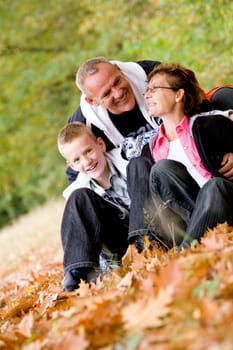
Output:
x,y
180,95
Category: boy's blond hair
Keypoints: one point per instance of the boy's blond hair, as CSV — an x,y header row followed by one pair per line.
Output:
x,y
71,131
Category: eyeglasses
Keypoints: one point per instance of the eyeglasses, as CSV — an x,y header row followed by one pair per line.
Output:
x,y
154,88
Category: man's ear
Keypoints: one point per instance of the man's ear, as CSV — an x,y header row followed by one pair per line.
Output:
x,y
91,101
117,67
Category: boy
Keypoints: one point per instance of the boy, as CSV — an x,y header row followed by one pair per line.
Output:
x,y
97,209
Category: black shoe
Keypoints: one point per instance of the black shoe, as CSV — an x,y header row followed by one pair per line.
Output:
x,y
73,278
69,283
139,243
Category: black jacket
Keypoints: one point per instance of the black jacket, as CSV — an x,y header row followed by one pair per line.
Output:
x,y
213,136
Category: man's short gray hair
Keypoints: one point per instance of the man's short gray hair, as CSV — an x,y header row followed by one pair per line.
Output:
x,y
88,68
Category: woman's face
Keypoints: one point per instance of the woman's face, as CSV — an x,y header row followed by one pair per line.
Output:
x,y
160,97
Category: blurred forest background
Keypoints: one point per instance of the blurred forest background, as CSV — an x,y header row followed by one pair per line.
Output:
x,y
42,44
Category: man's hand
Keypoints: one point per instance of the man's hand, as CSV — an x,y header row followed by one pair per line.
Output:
x,y
227,166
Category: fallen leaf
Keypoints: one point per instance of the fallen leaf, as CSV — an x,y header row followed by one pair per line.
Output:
x,y
25,325
148,313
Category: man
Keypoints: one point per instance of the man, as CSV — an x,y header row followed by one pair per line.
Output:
x,y
112,100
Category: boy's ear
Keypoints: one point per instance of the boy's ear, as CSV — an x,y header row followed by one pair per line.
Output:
x,y
69,165
101,143
91,101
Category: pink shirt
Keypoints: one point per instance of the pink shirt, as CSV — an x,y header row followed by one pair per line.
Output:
x,y
161,147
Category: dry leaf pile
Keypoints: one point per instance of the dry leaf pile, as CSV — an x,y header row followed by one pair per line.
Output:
x,y
157,300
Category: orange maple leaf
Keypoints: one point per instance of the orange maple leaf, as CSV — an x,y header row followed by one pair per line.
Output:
x,y
212,241
126,282
148,313
72,342
25,325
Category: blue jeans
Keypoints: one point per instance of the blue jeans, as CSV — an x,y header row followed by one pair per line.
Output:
x,y
138,172
90,223
184,207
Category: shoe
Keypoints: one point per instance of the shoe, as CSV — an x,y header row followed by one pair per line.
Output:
x,y
73,278
139,243
69,283
108,261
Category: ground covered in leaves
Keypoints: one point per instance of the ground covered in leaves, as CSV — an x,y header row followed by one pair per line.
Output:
x,y
157,300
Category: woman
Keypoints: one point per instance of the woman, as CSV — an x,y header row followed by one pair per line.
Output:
x,y
191,180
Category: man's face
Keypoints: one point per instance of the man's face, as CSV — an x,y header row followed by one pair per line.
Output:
x,y
86,155
109,88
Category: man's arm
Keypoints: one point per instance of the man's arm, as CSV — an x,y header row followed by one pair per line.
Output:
x,y
148,65
78,116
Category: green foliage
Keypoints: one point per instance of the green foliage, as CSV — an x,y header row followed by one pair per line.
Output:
x,y
42,43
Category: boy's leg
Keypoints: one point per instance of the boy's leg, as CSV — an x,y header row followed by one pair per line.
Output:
x,y
88,223
174,193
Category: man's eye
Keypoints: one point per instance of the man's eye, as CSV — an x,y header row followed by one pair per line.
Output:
x,y
106,94
117,82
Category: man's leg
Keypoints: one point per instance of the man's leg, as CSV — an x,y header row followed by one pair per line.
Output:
x,y
213,206
138,172
89,222
174,193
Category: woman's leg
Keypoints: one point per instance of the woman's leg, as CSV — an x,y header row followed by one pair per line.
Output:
x,y
213,206
222,99
174,193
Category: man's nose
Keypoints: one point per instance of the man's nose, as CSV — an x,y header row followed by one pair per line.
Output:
x,y
115,92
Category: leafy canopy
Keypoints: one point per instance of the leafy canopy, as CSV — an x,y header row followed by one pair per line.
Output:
x,y
42,44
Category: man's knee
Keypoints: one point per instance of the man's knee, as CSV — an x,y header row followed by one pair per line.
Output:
x,y
138,165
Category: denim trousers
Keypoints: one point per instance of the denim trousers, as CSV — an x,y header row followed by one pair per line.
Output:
x,y
185,210
90,223
138,173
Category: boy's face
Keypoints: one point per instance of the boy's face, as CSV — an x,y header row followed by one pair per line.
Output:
x,y
86,155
